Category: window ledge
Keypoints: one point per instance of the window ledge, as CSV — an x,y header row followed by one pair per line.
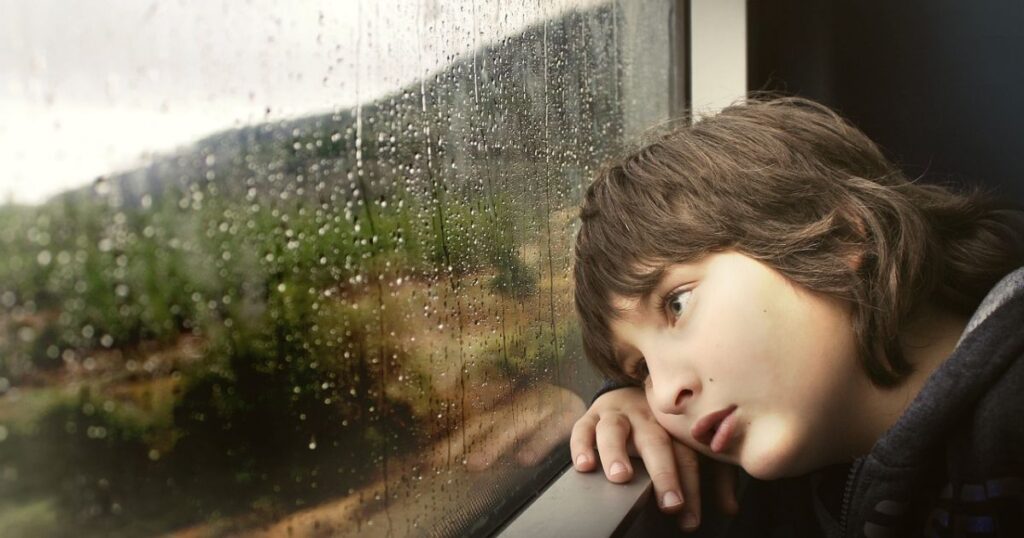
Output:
x,y
584,505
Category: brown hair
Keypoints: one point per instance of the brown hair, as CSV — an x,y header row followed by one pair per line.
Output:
x,y
788,182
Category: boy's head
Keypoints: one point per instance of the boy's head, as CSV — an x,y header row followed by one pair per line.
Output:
x,y
784,181
772,244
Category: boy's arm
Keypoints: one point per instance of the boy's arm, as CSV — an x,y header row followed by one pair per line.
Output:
x,y
620,423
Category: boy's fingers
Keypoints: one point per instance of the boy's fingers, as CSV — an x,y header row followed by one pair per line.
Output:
x,y
655,447
688,465
725,479
612,433
581,443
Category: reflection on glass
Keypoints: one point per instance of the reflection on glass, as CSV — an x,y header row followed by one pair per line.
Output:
x,y
346,314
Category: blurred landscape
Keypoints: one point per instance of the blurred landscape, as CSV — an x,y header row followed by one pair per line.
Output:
x,y
284,316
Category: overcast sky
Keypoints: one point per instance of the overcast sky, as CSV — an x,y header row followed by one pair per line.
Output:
x,y
90,88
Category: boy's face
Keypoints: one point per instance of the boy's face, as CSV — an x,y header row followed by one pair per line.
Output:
x,y
733,332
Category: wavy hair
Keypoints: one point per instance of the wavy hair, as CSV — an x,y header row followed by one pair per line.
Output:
x,y
790,183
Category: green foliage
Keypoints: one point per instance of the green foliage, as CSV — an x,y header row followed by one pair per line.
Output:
x,y
247,243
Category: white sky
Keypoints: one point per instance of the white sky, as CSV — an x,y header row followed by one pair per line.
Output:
x,y
91,88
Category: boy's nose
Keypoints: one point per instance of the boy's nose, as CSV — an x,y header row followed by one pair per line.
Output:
x,y
672,393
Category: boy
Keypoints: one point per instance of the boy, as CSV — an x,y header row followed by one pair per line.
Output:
x,y
769,291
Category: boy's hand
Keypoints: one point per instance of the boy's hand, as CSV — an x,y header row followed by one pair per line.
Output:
x,y
621,423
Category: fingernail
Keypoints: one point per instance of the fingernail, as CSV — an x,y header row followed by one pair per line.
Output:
x,y
618,468
690,521
671,499
582,460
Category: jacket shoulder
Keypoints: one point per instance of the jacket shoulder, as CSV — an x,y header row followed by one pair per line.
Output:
x,y
994,436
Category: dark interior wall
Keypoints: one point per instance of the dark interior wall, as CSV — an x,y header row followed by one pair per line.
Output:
x,y
934,82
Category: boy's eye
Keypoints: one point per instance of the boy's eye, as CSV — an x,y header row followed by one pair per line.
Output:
x,y
676,303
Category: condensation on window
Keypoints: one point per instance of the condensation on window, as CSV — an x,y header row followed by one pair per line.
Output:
x,y
299,268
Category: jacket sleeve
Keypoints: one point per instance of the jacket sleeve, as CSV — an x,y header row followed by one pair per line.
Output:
x,y
608,386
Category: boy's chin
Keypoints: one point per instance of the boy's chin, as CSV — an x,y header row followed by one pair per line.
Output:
x,y
765,472
763,469
774,461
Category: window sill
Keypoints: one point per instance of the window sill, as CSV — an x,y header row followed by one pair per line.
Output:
x,y
584,505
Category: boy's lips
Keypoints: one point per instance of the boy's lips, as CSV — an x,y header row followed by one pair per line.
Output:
x,y
706,429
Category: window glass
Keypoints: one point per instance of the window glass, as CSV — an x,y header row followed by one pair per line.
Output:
x,y
299,268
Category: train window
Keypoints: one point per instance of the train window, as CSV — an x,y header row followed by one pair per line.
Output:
x,y
299,268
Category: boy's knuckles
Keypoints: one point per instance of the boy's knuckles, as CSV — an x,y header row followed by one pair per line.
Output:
x,y
663,479
584,427
614,422
579,444
637,413
649,437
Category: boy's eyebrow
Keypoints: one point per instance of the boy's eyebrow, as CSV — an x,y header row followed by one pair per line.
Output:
x,y
665,283
653,294
653,283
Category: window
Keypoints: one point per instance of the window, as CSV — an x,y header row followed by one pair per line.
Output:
x,y
299,267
